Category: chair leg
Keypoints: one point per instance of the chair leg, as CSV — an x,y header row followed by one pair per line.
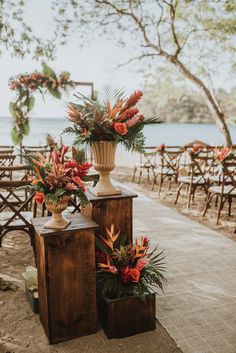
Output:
x,y
208,201
178,192
189,196
154,181
219,210
140,175
160,185
230,203
148,176
135,169
169,187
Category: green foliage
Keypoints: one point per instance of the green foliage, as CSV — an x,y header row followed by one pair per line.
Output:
x,y
25,86
17,37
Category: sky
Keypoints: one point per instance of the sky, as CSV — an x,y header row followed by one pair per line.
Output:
x,y
97,63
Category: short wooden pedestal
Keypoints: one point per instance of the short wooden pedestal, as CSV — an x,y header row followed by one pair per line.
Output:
x,y
66,278
115,209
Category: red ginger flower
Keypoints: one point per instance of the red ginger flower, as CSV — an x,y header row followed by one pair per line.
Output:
x,y
130,113
134,98
125,274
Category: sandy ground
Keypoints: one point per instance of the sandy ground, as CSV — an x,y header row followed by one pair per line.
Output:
x,y
227,224
21,331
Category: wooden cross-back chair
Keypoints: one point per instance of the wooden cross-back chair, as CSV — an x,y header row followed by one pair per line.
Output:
x,y
226,191
168,167
6,161
147,162
199,169
15,209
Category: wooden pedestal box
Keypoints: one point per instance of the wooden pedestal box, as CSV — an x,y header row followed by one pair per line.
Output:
x,y
66,278
127,316
115,209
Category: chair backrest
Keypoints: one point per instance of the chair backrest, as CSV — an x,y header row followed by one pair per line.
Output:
x,y
7,160
15,172
8,147
14,207
201,166
170,159
6,151
148,157
229,173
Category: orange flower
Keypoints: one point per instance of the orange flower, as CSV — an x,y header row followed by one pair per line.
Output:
x,y
134,274
79,182
121,128
39,197
70,186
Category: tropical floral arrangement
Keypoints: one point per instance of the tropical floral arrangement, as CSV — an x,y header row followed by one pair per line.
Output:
x,y
112,118
223,154
54,177
127,269
25,85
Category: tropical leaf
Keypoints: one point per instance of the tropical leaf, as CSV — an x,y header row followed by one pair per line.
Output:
x,y
26,128
54,92
31,103
48,71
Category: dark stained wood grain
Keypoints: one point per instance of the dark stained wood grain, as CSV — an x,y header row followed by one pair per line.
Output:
x,y
67,279
128,316
117,210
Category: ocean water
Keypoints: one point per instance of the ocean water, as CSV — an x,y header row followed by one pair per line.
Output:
x,y
169,134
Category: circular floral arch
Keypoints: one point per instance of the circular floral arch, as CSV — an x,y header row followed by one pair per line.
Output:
x,y
26,85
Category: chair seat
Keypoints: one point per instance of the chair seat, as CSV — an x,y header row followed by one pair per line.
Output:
x,y
4,216
227,189
165,171
196,180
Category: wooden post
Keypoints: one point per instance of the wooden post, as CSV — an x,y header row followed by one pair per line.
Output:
x,y
115,209
66,278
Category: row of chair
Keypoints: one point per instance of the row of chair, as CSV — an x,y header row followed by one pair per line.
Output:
x,y
191,168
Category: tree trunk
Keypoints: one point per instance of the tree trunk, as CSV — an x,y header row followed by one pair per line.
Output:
x,y
213,104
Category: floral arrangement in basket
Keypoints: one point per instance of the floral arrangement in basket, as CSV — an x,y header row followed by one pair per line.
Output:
x,y
54,177
127,269
223,154
114,118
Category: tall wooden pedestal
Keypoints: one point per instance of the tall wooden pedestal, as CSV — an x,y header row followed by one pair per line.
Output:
x,y
66,278
108,210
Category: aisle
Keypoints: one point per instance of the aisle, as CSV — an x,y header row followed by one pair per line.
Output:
x,y
198,308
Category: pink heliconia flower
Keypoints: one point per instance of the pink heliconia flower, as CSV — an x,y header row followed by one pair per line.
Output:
x,y
55,156
142,262
63,151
